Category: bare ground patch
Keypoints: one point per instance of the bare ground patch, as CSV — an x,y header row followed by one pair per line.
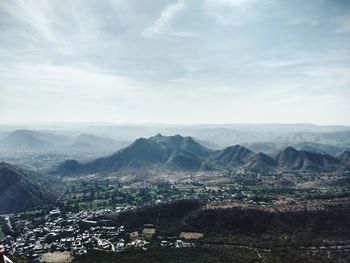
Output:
x,y
57,257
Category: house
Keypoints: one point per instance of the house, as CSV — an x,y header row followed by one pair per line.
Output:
x,y
55,212
149,232
121,244
178,243
134,235
165,243
191,235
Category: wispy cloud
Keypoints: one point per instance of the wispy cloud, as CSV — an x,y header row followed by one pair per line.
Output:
x,y
161,27
230,3
230,12
38,17
304,21
282,63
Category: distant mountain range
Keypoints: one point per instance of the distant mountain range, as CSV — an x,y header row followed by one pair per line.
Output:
x,y
272,148
185,153
265,143
21,189
28,141
31,141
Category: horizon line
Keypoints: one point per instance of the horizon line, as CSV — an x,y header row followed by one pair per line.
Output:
x,y
49,123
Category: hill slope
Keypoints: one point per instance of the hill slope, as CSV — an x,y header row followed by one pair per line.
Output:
x,y
22,190
345,158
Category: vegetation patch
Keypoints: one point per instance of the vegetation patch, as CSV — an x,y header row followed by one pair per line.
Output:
x,y
218,254
2,235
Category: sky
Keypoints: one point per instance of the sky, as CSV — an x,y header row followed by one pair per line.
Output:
x,y
179,61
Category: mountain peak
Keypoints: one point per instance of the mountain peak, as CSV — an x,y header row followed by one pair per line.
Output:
x,y
290,149
237,148
232,156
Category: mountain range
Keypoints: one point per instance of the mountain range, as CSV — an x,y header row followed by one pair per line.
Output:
x,y
185,153
21,189
267,138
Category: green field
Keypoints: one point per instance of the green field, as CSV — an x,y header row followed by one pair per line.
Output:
x,y
103,193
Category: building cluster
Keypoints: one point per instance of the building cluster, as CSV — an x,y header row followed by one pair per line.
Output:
x,y
78,233
74,232
177,243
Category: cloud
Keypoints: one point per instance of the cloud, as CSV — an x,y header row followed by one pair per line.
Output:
x,y
47,92
39,17
282,63
330,77
65,92
230,3
304,21
343,22
172,61
230,12
161,27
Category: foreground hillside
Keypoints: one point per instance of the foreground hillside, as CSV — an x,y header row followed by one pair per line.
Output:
x,y
186,154
206,254
254,234
21,190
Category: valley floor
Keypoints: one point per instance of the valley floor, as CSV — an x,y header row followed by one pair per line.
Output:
x,y
192,217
